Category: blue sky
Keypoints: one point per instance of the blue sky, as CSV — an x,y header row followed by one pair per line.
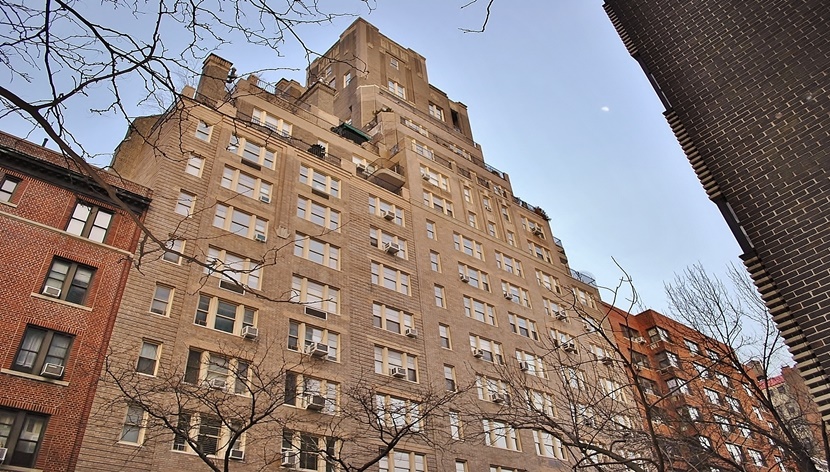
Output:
x,y
556,101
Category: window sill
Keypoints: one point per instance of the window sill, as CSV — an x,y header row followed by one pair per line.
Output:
x,y
61,302
39,378
20,469
123,443
9,204
74,236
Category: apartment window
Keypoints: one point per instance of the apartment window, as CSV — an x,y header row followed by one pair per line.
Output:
x,y
415,126
437,203
435,178
657,334
246,184
479,311
430,230
210,434
523,326
541,403
511,238
398,413
692,413
692,346
301,390
444,336
461,466
320,215
456,428
311,335
486,349
390,362
222,315
347,79
533,227
132,431
185,203
235,271
508,264
68,281
440,299
539,251
468,246
386,210
40,350
21,434
723,423
171,245
756,457
388,242
701,370
203,131
612,389
391,319
531,363
474,277
310,451
515,294
548,281
436,112
552,308
89,221
667,359
500,434
393,63
585,298
195,165
397,89
239,222
322,183
734,404
7,187
319,252
217,371
547,445
148,358
390,278
402,461
648,386
468,196
491,229
505,213
490,389
735,451
575,379
498,468
252,153
472,220
315,295
449,378
712,396
724,380
435,261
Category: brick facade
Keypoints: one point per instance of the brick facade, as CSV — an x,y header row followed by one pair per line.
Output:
x,y
34,218
746,89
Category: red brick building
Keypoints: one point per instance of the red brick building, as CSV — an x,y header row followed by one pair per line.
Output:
x,y
64,258
695,396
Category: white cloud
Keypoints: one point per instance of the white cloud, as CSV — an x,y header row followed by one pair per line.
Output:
x,y
605,109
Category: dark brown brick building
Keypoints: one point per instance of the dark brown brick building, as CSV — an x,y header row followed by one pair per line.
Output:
x,y
64,259
746,86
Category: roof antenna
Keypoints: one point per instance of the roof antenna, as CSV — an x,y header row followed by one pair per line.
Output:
x,y
45,140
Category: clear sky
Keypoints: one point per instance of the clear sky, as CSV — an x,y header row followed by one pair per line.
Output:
x,y
556,101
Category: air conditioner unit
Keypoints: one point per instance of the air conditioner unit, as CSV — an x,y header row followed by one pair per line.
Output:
x,y
537,231
52,370
315,402
250,332
569,347
52,291
237,454
362,168
260,237
425,176
387,215
500,398
487,207
232,286
411,332
561,316
319,350
639,340
310,311
609,361
3,452
463,278
218,384
508,296
397,372
391,248
263,199
524,366
588,421
289,458
478,353
589,328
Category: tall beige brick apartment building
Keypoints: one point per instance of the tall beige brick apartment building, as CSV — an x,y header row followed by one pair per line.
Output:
x,y
364,199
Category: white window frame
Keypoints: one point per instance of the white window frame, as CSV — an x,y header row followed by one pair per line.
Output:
x,y
509,264
468,246
226,218
378,238
383,362
252,152
391,278
328,299
378,207
320,181
234,268
492,350
318,214
386,317
538,251
436,112
435,178
282,127
518,294
477,278
534,363
439,204
480,311
210,313
258,189
307,334
195,165
317,251
523,326
396,89
185,203
500,435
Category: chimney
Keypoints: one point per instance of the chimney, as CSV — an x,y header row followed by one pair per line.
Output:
x,y
215,72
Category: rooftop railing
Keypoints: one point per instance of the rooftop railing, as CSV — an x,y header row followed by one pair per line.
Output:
x,y
584,278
